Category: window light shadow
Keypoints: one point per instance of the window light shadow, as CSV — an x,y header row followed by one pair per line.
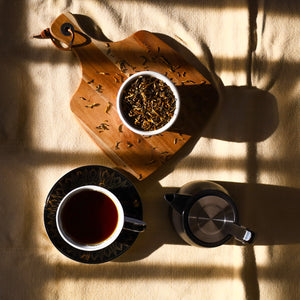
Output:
x,y
270,210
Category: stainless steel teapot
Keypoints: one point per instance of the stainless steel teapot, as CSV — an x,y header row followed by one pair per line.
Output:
x,y
203,214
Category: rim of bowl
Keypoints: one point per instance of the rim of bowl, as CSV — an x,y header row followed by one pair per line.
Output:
x,y
166,80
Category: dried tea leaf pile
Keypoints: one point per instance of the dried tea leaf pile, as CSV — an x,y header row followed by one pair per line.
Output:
x,y
148,103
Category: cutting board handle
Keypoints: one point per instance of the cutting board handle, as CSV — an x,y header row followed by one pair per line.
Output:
x,y
65,33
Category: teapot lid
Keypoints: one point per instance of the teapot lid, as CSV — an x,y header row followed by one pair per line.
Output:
x,y
206,219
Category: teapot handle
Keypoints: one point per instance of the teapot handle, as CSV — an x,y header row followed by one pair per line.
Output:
x,y
240,233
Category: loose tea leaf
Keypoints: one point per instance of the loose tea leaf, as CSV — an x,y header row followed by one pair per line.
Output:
x,y
103,126
99,88
145,59
129,145
120,76
92,105
187,81
171,68
123,63
108,106
148,103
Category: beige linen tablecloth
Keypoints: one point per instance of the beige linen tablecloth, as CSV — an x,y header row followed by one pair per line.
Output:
x,y
251,146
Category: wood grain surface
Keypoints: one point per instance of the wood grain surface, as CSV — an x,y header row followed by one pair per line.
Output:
x,y
105,65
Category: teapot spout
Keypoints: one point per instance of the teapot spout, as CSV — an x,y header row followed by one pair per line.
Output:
x,y
177,201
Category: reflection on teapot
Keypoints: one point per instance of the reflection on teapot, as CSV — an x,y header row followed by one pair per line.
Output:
x,y
203,214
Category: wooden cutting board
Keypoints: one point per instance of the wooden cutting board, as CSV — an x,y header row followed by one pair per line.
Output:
x,y
105,65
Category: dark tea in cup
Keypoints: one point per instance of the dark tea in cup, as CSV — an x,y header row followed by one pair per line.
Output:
x,y
90,218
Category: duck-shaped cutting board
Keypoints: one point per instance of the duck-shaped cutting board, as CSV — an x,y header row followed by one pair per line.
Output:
x,y
105,66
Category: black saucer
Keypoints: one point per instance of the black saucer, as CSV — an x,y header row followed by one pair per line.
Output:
x,y
112,180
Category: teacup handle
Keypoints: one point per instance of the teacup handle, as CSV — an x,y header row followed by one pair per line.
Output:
x,y
240,233
133,224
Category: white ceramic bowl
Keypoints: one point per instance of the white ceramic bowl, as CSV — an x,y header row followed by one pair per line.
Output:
x,y
163,78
